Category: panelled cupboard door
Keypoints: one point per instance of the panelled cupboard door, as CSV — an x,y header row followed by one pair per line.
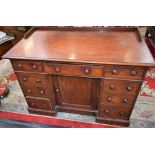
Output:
x,y
75,92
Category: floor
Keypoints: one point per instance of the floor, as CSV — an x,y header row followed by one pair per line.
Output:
x,y
6,123
143,114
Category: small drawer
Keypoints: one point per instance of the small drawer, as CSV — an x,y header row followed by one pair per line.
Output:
x,y
115,112
126,72
35,91
119,99
31,79
81,70
39,103
30,66
124,86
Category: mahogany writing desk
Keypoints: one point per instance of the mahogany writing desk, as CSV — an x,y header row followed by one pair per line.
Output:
x,y
91,71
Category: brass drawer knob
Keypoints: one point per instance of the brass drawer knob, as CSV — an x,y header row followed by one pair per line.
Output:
x,y
25,79
125,101
121,113
57,69
112,86
34,67
109,99
133,73
114,71
38,80
41,92
87,71
107,111
29,91
129,88
20,65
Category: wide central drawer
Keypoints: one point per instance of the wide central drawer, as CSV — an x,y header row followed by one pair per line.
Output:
x,y
67,69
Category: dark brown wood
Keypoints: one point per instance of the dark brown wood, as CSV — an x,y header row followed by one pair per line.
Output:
x,y
119,99
30,66
4,48
92,71
43,104
121,86
128,72
65,69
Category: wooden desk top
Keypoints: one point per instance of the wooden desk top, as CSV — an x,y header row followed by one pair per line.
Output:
x,y
101,47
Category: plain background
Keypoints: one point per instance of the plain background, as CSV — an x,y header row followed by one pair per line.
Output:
x,y
77,13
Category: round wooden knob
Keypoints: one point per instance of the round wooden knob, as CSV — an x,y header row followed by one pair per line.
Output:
x,y
112,86
38,80
133,73
107,111
121,113
29,91
129,88
125,101
109,99
57,69
20,65
32,104
25,79
87,71
34,67
114,71
41,92
57,90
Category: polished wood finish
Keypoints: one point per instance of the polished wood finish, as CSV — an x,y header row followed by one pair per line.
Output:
x,y
81,70
87,70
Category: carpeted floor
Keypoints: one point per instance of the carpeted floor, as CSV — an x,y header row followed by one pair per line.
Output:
x,y
6,123
143,113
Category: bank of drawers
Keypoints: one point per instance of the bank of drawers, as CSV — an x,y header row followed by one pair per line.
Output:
x,y
118,98
120,84
35,89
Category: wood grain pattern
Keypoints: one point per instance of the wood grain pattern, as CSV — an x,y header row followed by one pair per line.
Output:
x,y
92,71
70,69
121,86
84,46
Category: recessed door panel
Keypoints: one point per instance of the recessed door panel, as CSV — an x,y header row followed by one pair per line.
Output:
x,y
75,91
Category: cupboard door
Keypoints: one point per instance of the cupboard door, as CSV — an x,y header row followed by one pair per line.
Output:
x,y
75,92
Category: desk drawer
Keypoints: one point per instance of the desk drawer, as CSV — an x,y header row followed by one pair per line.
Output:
x,y
81,70
116,112
39,103
118,99
124,86
41,92
31,79
126,72
30,66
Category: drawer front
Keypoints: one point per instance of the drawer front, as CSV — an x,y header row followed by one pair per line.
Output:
x,y
118,99
39,104
29,66
115,112
81,70
35,91
32,79
127,72
123,86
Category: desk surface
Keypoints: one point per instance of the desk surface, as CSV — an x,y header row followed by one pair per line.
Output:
x,y
103,47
